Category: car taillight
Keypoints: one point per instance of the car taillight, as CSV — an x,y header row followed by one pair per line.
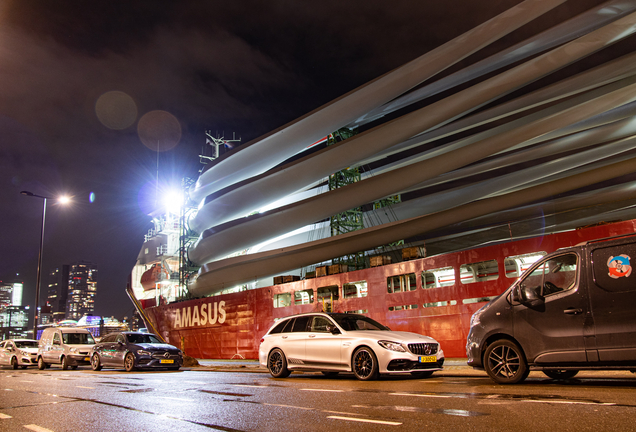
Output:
x,y
262,340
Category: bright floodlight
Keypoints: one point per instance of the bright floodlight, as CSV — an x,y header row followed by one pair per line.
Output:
x,y
173,201
64,199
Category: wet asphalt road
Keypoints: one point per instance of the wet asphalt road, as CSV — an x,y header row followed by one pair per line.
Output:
x,y
249,400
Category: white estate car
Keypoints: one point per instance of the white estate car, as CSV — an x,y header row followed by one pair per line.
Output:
x,y
338,342
19,352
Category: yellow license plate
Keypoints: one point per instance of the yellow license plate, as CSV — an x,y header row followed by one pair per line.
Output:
x,y
87,359
428,359
167,361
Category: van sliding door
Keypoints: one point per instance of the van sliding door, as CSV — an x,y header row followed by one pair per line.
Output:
x,y
613,298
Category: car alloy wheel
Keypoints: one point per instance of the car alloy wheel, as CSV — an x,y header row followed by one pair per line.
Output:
x,y
95,363
129,362
65,363
505,362
365,364
41,364
277,364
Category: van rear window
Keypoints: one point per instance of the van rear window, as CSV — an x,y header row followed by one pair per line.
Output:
x,y
613,267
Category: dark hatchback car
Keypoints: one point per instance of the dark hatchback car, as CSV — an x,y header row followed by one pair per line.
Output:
x,y
135,350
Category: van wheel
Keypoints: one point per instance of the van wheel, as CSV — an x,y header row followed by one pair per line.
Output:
x,y
14,363
505,362
277,364
41,364
64,363
560,374
365,364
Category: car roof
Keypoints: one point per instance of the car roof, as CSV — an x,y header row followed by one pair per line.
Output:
x,y
22,340
329,314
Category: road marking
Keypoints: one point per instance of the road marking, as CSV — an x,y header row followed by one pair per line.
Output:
x,y
289,406
420,395
341,413
247,385
365,420
322,390
93,388
37,428
5,416
175,398
568,402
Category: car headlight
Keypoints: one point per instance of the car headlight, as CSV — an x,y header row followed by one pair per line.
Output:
x,y
73,350
144,353
392,346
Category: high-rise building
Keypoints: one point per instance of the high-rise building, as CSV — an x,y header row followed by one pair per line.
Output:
x,y
82,287
14,317
16,297
58,292
6,294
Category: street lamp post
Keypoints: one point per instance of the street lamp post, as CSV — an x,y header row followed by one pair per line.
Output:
x,y
39,276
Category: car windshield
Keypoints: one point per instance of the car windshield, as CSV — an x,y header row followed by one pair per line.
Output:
x,y
357,322
78,339
142,338
26,344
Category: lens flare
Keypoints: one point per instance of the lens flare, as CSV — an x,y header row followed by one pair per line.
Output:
x,y
116,110
159,130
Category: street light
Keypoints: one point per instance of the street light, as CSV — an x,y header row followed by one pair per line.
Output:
x,y
62,200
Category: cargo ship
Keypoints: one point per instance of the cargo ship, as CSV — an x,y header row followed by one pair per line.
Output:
x,y
434,296
416,221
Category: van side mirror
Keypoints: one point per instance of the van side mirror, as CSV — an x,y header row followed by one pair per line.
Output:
x,y
527,295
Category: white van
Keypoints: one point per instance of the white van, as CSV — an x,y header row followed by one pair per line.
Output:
x,y
68,346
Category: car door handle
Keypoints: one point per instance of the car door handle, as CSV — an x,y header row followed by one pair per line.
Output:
x,y
573,311
312,335
284,337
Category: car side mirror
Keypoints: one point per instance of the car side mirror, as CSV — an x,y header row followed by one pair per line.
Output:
x,y
333,329
56,342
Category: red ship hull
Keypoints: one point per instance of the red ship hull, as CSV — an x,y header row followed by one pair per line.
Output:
x,y
231,325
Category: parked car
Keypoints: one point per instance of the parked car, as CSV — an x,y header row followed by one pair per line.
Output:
x,y
19,352
572,310
338,342
67,346
135,350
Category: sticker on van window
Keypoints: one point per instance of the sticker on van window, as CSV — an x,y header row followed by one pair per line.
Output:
x,y
619,266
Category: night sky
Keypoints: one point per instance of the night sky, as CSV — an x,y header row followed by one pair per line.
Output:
x,y
172,70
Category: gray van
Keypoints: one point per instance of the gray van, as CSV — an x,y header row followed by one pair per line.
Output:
x,y
573,309
67,346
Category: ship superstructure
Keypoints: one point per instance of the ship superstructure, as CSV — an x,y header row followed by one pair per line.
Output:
x,y
498,151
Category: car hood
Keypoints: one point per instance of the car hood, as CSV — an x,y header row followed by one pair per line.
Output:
x,y
155,346
394,336
29,350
